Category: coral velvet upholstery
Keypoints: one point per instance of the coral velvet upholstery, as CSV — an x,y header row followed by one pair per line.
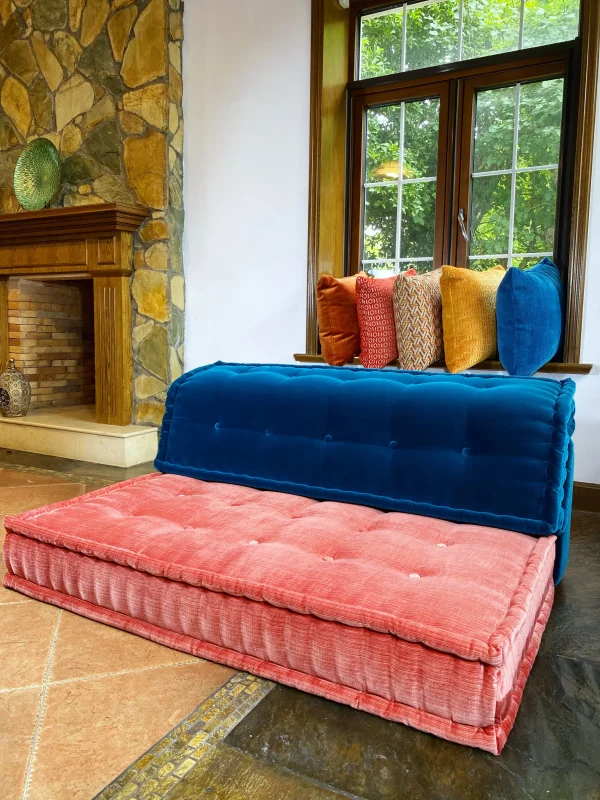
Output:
x,y
490,450
371,608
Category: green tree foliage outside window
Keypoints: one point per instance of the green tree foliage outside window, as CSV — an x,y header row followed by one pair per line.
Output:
x,y
513,211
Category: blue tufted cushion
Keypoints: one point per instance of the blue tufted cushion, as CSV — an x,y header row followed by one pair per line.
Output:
x,y
529,313
490,450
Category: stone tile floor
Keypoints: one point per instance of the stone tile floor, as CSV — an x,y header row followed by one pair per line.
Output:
x,y
79,701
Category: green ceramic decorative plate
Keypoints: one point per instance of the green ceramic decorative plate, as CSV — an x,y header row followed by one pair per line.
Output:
x,y
37,175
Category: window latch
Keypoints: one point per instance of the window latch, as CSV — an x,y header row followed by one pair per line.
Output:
x,y
463,228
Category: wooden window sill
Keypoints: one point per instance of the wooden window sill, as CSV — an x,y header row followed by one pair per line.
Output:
x,y
496,366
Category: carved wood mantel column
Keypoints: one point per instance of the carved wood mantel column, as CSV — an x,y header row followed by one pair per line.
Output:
x,y
92,242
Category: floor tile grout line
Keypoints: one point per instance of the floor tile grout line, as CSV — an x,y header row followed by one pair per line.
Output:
x,y
15,689
99,675
41,711
15,603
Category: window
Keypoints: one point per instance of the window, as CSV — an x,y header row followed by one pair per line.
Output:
x,y
426,34
457,162
453,131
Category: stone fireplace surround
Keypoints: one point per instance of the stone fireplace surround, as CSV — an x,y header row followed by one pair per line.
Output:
x,y
91,243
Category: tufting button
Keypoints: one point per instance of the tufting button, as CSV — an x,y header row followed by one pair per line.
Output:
x,y
414,576
217,426
253,542
269,432
466,451
393,445
440,544
327,558
328,438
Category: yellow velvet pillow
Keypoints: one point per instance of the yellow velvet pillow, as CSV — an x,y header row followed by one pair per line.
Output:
x,y
469,315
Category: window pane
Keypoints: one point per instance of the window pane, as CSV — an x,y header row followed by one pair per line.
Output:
x,y
381,213
483,264
432,34
548,21
383,269
490,27
381,44
383,144
490,215
421,133
535,211
418,219
526,262
540,123
421,266
495,129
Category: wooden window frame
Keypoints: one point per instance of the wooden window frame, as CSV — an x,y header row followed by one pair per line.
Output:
x,y
333,89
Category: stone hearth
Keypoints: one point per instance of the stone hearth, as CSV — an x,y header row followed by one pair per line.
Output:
x,y
74,433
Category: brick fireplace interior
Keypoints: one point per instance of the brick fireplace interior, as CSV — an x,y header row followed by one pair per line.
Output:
x,y
51,338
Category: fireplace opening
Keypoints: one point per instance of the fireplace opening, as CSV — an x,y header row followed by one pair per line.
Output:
x,y
51,338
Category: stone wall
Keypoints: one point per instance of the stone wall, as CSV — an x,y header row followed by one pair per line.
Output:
x,y
102,80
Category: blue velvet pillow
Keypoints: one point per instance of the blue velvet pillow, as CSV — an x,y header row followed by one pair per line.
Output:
x,y
530,313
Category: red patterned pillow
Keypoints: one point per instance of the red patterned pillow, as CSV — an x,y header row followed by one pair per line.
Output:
x,y
375,307
418,312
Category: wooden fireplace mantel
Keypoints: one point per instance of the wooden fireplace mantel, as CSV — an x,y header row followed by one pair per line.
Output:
x,y
93,242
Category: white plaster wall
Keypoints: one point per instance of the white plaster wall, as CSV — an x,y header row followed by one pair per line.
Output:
x,y
247,112
587,436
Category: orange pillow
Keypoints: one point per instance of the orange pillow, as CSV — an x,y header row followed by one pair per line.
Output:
x,y
338,324
375,306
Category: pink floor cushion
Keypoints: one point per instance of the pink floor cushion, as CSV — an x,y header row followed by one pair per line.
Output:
x,y
422,621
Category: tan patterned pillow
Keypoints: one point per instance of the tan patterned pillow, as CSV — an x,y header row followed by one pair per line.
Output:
x,y
418,316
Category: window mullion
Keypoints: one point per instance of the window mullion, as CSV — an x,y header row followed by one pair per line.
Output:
x,y
521,23
513,183
404,19
460,28
400,187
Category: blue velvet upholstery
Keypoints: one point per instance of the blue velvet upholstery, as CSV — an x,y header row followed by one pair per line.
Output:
x,y
529,313
490,450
